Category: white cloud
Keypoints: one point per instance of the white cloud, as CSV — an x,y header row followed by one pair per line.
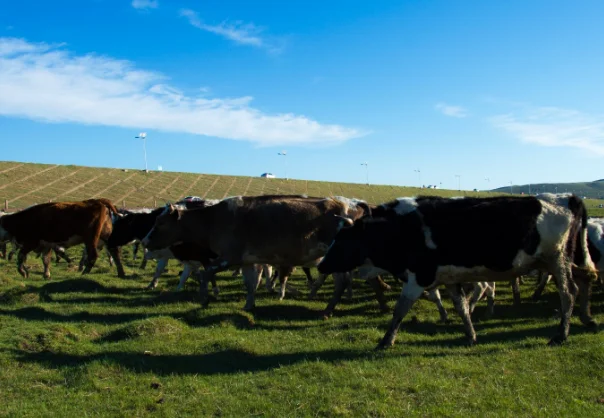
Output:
x,y
145,4
45,82
239,32
555,127
453,111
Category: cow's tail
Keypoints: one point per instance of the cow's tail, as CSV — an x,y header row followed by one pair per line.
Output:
x,y
577,247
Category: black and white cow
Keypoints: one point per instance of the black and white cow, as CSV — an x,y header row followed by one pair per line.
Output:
x,y
595,244
451,241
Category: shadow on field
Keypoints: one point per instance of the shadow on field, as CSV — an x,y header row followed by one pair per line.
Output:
x,y
83,286
223,362
40,314
456,331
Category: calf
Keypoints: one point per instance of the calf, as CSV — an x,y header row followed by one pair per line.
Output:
x,y
59,223
451,241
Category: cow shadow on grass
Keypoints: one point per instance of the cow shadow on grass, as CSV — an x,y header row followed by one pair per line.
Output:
x,y
228,361
39,314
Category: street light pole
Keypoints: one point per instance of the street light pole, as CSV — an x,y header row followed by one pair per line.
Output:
x,y
143,136
511,188
419,177
458,181
284,154
366,171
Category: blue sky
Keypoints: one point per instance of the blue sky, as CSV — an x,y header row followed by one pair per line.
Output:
x,y
505,90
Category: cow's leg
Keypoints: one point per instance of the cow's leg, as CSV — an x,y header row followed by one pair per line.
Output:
x,y
317,285
515,283
186,272
3,250
270,282
110,257
135,250
144,261
46,260
583,281
309,279
379,292
434,296
83,259
21,258
284,273
461,306
567,290
62,254
159,269
341,281
91,256
116,253
479,289
410,293
251,276
543,281
490,292
267,272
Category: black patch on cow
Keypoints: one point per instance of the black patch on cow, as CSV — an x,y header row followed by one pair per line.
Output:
x,y
467,232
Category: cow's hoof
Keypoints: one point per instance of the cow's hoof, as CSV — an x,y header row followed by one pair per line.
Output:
x,y
216,291
471,342
384,345
557,340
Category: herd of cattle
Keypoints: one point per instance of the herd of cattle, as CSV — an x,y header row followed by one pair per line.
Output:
x,y
466,244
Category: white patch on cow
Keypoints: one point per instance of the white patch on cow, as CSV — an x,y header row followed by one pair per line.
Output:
x,y
233,202
553,226
522,259
412,290
457,197
405,205
211,202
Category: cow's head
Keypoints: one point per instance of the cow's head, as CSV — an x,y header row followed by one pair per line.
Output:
x,y
347,251
166,231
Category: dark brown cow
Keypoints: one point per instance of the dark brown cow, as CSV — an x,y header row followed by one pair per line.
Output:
x,y
59,223
282,231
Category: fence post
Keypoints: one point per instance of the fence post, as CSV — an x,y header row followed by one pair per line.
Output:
x,y
124,204
5,205
154,203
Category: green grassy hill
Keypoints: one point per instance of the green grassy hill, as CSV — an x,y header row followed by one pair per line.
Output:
x,y
25,184
592,189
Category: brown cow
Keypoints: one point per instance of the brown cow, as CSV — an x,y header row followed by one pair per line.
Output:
x,y
59,223
282,231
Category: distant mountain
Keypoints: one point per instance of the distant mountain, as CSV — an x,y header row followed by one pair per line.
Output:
x,y
593,189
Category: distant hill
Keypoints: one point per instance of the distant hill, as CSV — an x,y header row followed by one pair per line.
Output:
x,y
592,190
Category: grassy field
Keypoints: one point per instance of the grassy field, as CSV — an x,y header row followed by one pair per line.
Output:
x,y
100,346
23,184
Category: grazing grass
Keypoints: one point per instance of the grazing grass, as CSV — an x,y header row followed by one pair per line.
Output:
x,y
24,184
100,345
